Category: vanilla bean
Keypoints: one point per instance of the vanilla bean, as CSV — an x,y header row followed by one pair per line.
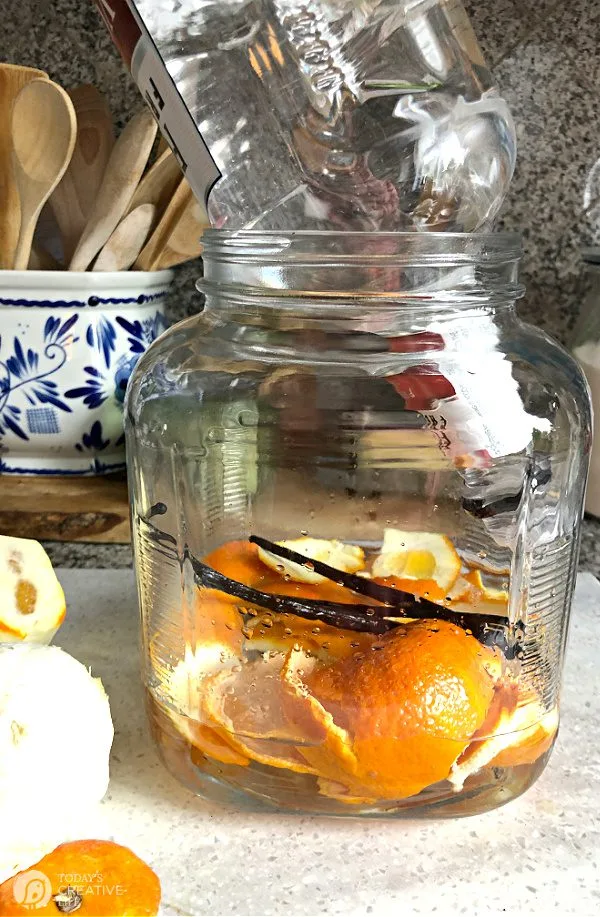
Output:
x,y
362,618
339,614
396,598
491,631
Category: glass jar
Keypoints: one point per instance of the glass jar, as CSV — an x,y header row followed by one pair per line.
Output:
x,y
357,483
586,349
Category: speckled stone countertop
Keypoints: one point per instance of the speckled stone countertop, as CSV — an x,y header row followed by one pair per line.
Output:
x,y
69,554
536,856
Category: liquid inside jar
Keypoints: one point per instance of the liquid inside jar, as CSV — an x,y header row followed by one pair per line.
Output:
x,y
323,676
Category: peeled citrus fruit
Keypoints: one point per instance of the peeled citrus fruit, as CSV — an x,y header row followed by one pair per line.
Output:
x,y
410,706
92,877
348,558
32,603
424,563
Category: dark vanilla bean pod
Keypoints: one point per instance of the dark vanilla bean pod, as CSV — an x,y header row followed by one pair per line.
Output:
x,y
491,631
361,618
350,617
396,598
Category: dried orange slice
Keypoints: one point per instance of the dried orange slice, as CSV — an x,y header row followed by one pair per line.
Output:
x,y
348,558
517,731
424,563
32,603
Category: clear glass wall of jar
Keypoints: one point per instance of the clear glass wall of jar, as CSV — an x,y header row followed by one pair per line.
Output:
x,y
586,349
357,483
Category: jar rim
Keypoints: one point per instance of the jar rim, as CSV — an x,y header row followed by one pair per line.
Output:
x,y
372,247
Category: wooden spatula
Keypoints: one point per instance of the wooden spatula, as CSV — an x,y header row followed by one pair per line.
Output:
x,y
184,241
43,135
150,254
126,241
158,184
123,172
74,197
12,80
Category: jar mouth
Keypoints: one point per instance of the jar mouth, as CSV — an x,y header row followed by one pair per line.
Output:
x,y
375,248
307,270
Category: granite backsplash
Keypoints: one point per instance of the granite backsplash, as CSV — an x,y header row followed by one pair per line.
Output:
x,y
545,55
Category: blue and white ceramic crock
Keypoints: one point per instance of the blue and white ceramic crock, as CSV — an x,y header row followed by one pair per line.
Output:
x,y
68,344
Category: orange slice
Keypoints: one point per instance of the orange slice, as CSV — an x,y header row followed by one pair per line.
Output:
x,y
348,558
517,731
424,563
32,603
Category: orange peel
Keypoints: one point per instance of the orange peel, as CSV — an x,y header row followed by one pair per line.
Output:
x,y
518,730
245,709
348,558
424,563
401,738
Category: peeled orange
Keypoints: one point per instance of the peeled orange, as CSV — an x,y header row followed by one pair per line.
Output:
x,y
32,603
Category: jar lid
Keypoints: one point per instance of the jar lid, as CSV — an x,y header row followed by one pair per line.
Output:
x,y
591,255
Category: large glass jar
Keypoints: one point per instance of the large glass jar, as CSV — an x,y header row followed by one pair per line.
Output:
x,y
357,483
585,345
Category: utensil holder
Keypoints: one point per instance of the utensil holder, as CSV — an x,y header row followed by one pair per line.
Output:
x,y
68,344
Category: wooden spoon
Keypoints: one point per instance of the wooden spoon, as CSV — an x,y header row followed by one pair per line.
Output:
x,y
74,197
158,184
43,132
151,254
184,242
126,241
12,80
123,172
